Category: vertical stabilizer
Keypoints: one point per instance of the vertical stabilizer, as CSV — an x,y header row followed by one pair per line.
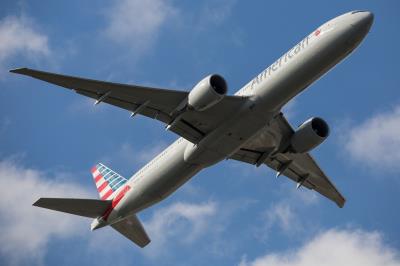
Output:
x,y
107,181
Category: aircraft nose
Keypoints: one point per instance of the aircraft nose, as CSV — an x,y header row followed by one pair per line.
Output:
x,y
363,20
367,19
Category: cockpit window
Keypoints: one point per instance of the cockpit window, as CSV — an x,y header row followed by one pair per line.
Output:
x,y
357,11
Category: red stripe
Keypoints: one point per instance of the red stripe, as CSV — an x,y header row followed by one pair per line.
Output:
x,y
107,194
94,168
120,195
115,201
107,213
97,178
100,188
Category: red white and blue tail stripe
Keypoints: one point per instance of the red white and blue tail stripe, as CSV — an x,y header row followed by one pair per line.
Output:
x,y
107,181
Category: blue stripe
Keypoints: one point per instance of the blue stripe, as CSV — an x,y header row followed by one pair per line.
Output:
x,y
111,179
118,185
115,181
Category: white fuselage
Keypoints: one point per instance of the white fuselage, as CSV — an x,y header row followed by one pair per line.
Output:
x,y
267,93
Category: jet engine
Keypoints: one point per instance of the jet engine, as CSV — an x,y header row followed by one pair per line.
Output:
x,y
208,92
309,135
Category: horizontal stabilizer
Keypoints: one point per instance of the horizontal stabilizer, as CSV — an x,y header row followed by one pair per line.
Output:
x,y
83,207
132,229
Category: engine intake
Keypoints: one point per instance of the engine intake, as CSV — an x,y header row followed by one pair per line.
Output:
x,y
309,135
208,92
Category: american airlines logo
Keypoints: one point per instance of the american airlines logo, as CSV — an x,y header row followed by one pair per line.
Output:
x,y
281,61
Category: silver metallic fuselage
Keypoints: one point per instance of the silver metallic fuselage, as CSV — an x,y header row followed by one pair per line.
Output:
x,y
267,93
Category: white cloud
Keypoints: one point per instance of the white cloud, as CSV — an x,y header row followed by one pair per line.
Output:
x,y
180,222
286,214
137,23
26,230
216,12
289,110
18,36
148,153
334,247
376,141
282,215
128,155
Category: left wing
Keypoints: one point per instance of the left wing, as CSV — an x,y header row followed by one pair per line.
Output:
x,y
155,103
300,167
91,208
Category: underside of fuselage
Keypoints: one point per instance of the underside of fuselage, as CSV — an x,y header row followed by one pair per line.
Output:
x,y
265,95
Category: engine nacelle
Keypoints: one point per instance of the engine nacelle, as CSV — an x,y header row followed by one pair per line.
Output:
x,y
208,92
309,135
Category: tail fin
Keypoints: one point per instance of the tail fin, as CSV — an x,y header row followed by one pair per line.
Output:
x,y
107,181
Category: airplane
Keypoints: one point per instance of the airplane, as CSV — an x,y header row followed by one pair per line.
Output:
x,y
213,126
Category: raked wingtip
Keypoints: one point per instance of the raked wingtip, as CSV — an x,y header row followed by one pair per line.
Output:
x,y
18,70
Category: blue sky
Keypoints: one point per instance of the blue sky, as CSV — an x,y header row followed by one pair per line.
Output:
x,y
231,213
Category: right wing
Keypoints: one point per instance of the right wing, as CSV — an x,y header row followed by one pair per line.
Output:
x,y
132,229
299,167
151,102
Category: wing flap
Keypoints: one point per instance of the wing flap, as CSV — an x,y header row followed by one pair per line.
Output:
x,y
132,229
91,208
164,99
302,167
